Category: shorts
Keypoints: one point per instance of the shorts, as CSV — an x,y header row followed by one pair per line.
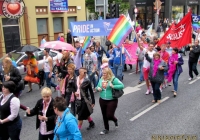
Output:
x,y
146,73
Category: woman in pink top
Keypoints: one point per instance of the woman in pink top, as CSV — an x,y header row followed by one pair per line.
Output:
x,y
62,37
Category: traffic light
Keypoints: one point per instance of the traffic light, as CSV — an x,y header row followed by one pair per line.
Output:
x,y
114,10
117,10
157,4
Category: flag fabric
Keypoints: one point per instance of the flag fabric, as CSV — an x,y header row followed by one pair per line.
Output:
x,y
129,19
196,22
180,34
149,31
86,43
120,31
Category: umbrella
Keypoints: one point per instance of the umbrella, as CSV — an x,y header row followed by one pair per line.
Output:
x,y
27,48
58,45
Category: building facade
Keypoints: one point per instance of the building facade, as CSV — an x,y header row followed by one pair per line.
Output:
x,y
170,9
36,22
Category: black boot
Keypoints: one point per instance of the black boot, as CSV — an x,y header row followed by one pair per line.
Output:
x,y
91,125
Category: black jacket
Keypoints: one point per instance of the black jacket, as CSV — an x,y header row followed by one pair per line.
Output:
x,y
50,114
15,75
194,54
86,87
62,69
69,38
70,86
159,77
100,51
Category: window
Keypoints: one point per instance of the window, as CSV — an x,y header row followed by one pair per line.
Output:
x,y
52,54
40,55
71,19
57,25
177,12
7,21
42,26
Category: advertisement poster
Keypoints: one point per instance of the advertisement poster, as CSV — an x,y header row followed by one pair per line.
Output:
x,y
58,6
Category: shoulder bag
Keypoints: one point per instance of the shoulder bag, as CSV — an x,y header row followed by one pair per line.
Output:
x,y
116,93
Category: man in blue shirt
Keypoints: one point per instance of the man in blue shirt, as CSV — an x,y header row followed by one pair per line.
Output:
x,y
119,58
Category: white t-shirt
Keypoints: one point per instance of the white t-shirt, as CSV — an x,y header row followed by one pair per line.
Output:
x,y
146,63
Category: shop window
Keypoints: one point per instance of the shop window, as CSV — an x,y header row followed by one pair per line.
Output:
x,y
42,26
7,21
58,25
71,19
194,9
177,13
141,9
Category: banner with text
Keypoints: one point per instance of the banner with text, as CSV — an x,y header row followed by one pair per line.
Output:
x,y
92,28
195,22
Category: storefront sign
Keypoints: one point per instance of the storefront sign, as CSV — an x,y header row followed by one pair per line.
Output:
x,y
193,2
93,28
13,9
140,2
57,6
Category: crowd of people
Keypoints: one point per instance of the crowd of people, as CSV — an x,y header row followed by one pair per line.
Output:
x,y
81,74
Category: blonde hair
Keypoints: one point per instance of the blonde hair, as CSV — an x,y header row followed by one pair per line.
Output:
x,y
72,66
46,92
109,73
105,60
156,54
8,61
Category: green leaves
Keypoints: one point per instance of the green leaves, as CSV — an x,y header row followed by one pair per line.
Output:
x,y
124,6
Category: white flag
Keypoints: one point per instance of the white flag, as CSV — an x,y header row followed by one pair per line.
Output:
x,y
149,31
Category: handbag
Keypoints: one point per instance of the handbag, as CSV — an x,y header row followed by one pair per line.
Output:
x,y
88,102
116,93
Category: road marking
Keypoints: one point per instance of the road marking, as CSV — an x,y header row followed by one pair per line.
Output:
x,y
147,110
133,72
129,90
193,81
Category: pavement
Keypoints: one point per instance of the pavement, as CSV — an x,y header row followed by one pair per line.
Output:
x,y
138,118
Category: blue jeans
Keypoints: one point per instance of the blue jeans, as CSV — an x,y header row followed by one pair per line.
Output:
x,y
11,131
48,80
141,70
175,80
117,69
99,62
156,90
92,78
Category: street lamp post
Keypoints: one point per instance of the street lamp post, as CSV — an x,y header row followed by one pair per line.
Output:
x,y
157,5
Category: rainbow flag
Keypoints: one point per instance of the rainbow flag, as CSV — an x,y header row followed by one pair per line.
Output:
x,y
120,31
86,43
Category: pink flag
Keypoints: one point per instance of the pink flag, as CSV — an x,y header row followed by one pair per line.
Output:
x,y
132,48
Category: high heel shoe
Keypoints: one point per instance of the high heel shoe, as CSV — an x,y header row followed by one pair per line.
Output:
x,y
175,94
39,86
29,91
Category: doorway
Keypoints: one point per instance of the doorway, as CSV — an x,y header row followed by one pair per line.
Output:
x,y
11,34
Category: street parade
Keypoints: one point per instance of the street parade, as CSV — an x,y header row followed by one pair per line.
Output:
x,y
124,76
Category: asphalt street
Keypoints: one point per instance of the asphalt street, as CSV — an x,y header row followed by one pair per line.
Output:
x,y
138,118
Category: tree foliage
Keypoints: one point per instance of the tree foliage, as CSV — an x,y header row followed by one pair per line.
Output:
x,y
124,6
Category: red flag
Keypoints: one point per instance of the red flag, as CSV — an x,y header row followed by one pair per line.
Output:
x,y
180,34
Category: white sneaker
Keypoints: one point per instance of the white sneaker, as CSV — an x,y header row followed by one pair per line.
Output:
x,y
148,92
190,79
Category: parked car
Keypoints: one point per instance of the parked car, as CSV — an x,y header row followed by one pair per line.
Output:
x,y
20,56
